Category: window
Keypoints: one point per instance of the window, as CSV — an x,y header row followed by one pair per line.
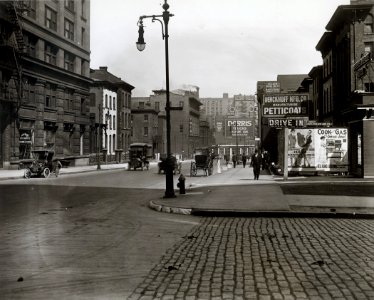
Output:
x,y
110,102
83,8
31,8
82,36
30,43
50,53
50,18
50,96
69,30
145,131
69,101
114,103
181,103
157,106
368,47
69,61
69,4
181,128
106,101
114,123
145,118
83,106
368,25
141,105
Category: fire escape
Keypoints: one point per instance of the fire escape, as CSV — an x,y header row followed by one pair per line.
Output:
x,y
17,49
15,8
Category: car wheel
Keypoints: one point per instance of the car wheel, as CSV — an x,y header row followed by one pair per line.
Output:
x,y
46,172
27,173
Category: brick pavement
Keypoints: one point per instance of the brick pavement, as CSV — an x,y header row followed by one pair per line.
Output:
x,y
267,258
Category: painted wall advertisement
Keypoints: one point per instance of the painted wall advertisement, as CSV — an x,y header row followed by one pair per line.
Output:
x,y
320,149
240,128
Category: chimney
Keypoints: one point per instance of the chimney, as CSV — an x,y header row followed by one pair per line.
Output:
x,y
104,69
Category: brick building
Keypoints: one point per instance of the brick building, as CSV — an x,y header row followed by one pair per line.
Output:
x,y
44,76
184,119
348,88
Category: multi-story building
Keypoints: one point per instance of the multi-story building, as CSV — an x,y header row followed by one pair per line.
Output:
x,y
147,123
44,75
110,106
348,89
270,124
224,113
184,119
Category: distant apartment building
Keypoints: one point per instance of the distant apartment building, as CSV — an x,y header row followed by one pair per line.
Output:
x,y
110,113
149,112
44,78
234,122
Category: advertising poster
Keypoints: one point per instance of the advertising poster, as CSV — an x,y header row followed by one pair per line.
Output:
x,y
319,149
240,128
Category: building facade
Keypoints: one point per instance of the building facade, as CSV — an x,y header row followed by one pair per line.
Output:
x,y
233,122
348,90
110,114
184,120
44,74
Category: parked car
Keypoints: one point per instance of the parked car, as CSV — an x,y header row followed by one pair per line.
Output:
x,y
139,154
41,164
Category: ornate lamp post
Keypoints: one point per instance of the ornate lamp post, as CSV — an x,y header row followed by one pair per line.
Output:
x,y
169,192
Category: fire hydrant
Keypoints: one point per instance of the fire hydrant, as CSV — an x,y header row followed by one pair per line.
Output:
x,y
182,184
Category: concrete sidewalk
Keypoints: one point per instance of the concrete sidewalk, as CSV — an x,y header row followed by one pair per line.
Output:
x,y
238,195
16,174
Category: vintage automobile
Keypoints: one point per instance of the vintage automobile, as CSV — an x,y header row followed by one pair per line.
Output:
x,y
41,164
177,164
203,160
139,154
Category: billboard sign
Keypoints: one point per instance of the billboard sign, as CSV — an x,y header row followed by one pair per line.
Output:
x,y
287,122
272,87
318,149
285,104
239,127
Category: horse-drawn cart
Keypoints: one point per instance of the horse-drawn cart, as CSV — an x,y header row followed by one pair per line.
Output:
x,y
203,160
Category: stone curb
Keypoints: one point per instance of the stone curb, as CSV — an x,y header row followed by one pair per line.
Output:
x,y
255,214
169,209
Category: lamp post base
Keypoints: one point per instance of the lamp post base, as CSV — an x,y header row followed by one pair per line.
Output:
x,y
169,194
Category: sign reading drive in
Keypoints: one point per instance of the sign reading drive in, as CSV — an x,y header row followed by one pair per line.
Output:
x,y
285,105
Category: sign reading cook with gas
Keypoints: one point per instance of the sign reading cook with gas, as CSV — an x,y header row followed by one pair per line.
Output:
x,y
285,104
239,127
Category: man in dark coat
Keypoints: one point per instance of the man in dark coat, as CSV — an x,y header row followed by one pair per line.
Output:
x,y
256,164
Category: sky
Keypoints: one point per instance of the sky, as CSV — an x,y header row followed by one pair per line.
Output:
x,y
221,46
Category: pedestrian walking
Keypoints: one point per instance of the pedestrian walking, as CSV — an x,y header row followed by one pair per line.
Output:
x,y
256,164
234,160
244,157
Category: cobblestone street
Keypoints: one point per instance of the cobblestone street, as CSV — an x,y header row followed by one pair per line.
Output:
x,y
267,258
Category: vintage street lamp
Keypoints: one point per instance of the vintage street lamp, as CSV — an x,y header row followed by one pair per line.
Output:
x,y
140,44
